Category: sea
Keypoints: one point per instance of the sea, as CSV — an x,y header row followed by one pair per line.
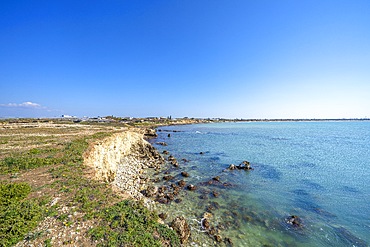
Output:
x,y
316,171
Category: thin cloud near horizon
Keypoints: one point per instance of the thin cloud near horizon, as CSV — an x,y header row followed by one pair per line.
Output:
x,y
26,104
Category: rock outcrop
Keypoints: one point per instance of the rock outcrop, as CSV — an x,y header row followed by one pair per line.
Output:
x,y
122,160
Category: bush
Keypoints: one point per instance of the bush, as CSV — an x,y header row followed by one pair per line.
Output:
x,y
130,223
18,216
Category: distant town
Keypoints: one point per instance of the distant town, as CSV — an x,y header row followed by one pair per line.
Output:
x,y
160,120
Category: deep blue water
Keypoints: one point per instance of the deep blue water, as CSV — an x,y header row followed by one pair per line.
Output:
x,y
319,171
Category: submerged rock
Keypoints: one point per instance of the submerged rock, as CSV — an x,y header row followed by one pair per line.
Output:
x,y
215,193
150,191
182,183
192,187
175,163
170,158
181,226
185,174
161,143
205,223
228,241
218,238
294,221
168,177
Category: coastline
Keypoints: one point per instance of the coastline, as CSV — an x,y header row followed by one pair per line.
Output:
x,y
131,165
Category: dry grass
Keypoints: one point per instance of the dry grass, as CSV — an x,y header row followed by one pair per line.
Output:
x,y
20,137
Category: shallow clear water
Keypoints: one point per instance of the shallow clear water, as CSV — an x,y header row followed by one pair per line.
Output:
x,y
318,171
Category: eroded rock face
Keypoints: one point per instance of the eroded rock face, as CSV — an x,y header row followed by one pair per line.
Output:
x,y
122,160
181,226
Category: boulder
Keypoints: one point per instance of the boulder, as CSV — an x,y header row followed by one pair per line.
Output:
x,y
150,133
232,167
185,174
245,165
181,226
192,187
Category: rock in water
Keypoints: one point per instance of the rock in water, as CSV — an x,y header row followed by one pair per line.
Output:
x,y
180,225
192,187
185,174
294,221
150,133
232,167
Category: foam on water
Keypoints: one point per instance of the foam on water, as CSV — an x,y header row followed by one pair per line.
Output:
x,y
316,170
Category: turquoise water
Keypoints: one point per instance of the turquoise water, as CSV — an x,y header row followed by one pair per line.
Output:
x,y
319,171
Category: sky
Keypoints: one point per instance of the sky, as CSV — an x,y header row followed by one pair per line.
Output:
x,y
193,58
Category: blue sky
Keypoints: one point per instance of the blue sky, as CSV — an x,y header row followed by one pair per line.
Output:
x,y
210,58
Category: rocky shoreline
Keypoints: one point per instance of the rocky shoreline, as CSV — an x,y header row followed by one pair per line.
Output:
x,y
132,165
123,160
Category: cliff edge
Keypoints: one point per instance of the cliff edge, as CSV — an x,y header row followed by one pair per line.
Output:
x,y
123,160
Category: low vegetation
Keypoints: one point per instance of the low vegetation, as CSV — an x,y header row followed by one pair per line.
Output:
x,y
42,182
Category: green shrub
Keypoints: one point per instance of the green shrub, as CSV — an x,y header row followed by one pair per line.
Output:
x,y
18,216
130,223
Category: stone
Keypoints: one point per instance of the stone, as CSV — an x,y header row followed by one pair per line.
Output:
x,y
171,158
161,143
181,226
185,174
207,215
162,189
168,177
165,152
162,200
150,191
245,165
150,133
217,178
175,163
205,223
294,221
163,216
218,238
192,187
178,200
170,196
169,135
215,193
232,167
228,241
182,183
212,230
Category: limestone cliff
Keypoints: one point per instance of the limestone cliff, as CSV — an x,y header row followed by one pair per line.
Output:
x,y
122,160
